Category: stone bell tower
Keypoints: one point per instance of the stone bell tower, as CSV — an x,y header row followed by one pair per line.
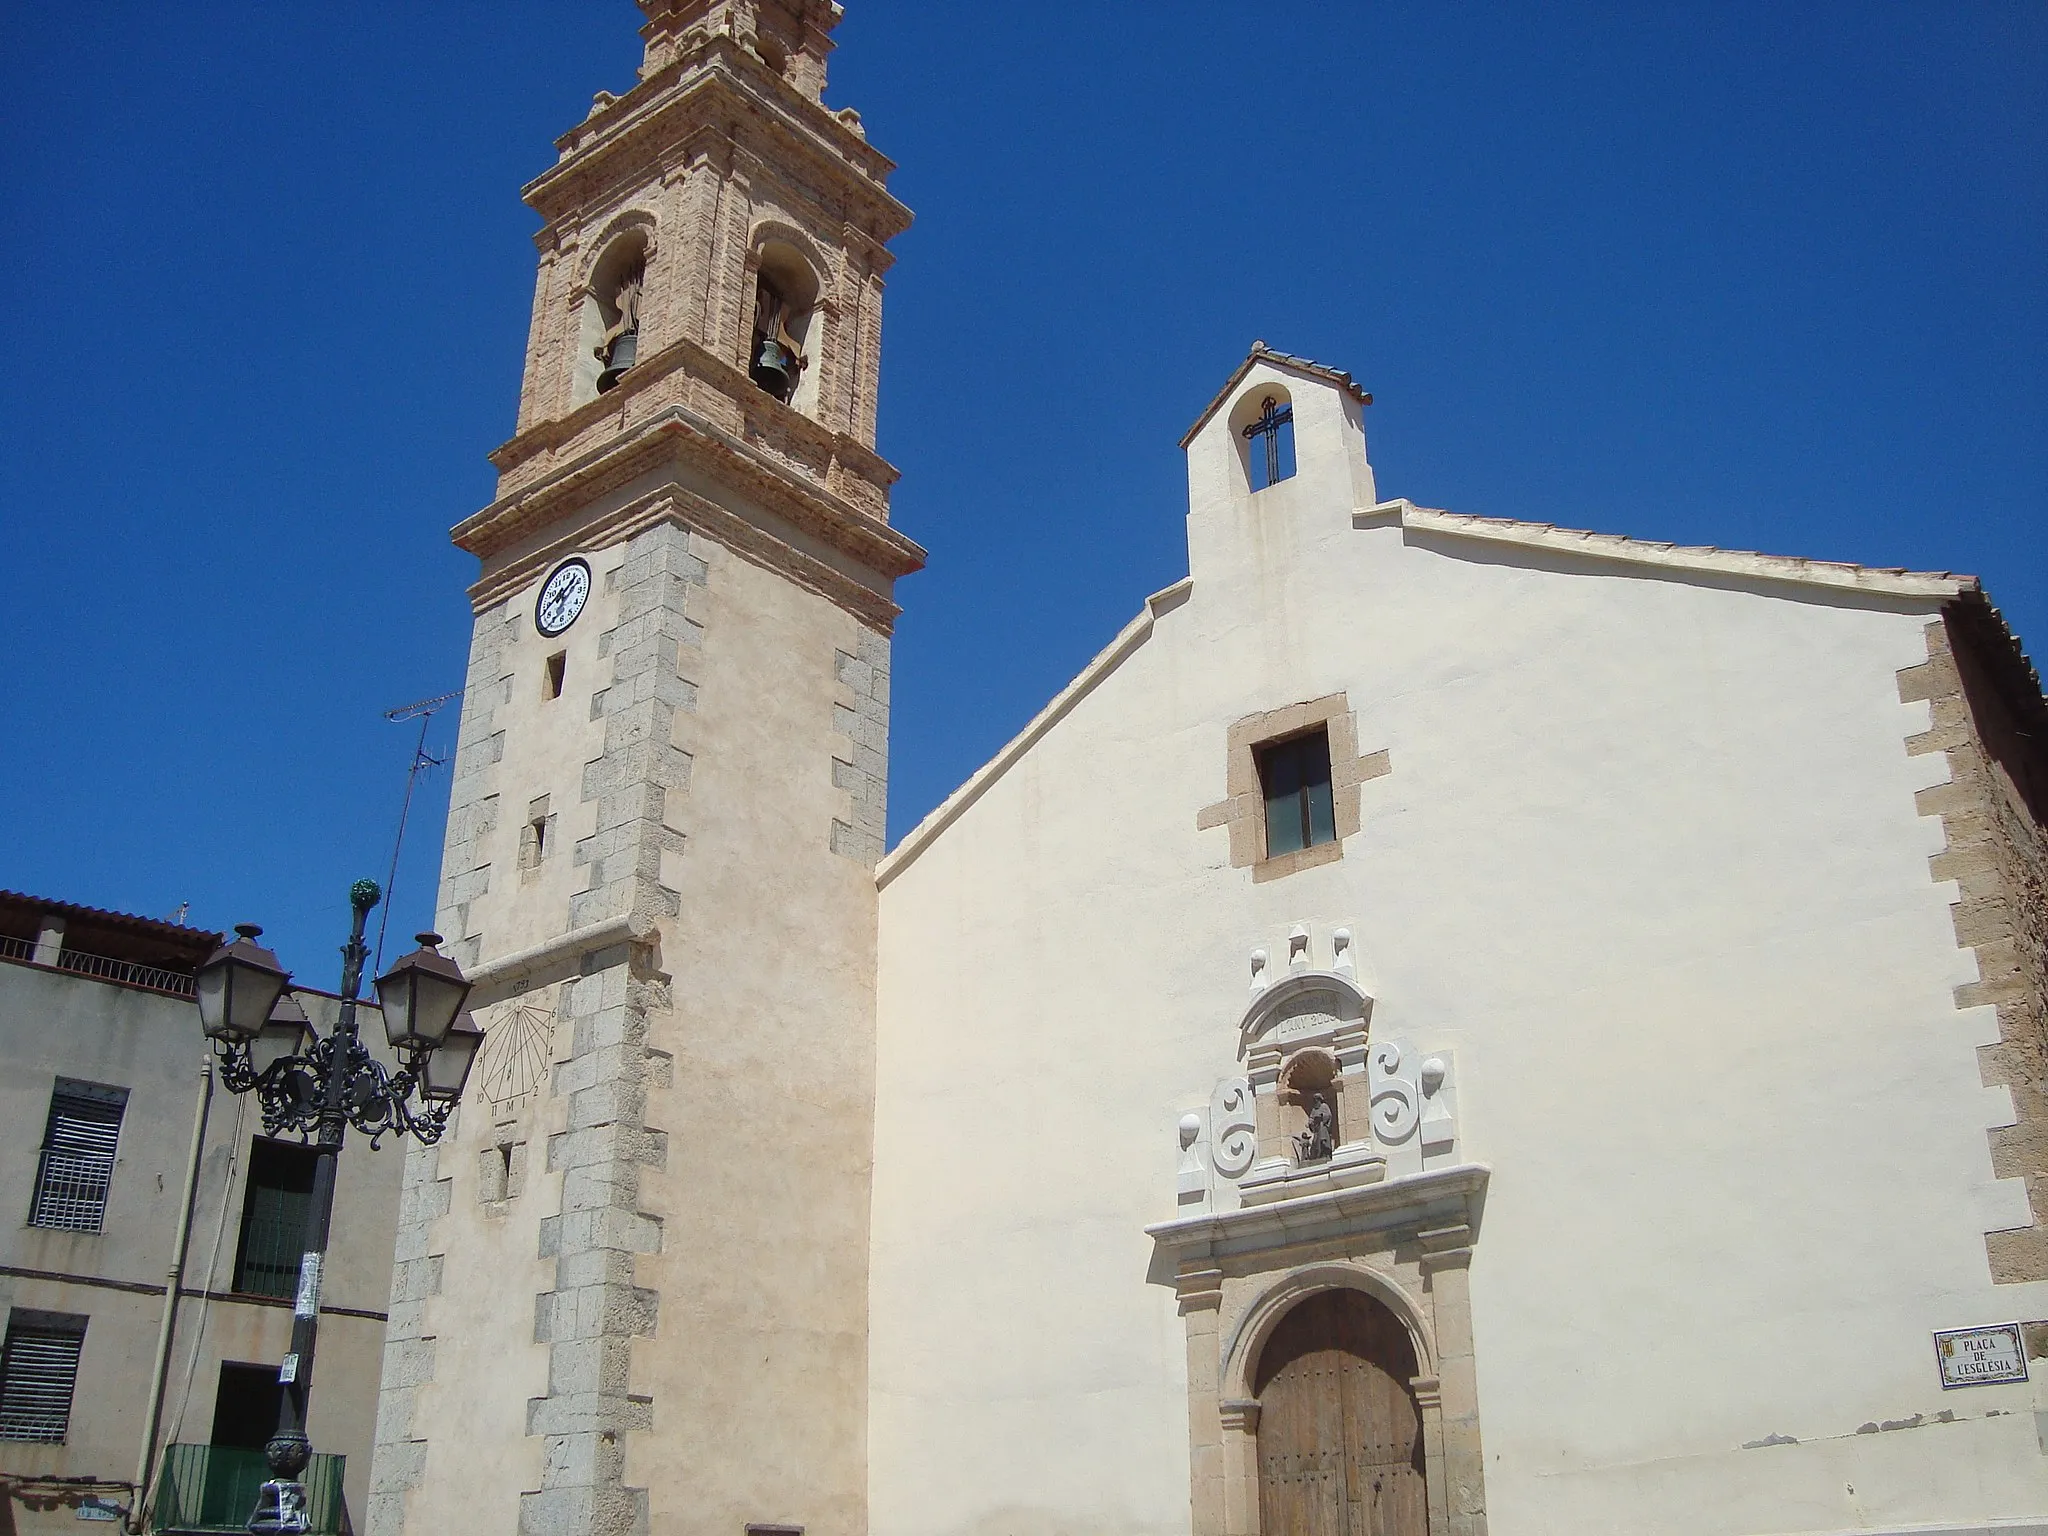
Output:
x,y
631,1291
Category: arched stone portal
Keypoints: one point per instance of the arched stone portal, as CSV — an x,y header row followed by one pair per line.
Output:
x,y
1340,1437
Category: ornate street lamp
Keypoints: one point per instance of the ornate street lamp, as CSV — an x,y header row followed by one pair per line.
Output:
x,y
318,1086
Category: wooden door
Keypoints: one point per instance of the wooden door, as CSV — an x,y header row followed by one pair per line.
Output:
x,y
1340,1436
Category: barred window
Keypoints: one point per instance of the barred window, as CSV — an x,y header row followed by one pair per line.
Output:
x,y
78,1156
38,1373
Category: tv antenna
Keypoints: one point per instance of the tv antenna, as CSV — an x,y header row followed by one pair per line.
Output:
x,y
422,710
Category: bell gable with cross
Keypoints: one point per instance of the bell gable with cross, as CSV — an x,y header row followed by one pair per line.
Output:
x,y
1277,458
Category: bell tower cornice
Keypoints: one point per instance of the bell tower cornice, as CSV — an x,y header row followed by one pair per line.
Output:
x,y
718,90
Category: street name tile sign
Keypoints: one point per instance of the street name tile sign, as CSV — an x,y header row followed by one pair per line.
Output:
x,y
1980,1357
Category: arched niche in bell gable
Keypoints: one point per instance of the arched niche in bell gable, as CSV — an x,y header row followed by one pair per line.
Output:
x,y
1262,429
608,304
1305,1035
787,314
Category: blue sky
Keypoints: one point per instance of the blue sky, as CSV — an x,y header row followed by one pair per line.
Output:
x,y
1764,276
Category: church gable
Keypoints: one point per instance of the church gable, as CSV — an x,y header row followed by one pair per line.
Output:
x,y
1628,919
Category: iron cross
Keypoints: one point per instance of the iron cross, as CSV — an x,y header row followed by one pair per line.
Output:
x,y
1272,417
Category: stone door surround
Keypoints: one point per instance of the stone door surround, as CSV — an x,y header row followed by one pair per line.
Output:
x,y
1407,1243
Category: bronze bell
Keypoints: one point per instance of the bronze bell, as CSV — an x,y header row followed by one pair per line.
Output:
x,y
625,351
775,368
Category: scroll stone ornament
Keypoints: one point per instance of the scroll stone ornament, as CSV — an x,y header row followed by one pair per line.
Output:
x,y
1233,1133
1395,1102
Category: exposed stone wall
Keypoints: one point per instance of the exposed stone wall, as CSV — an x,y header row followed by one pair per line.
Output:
x,y
473,797
589,1319
641,763
1997,853
595,1310
860,713
401,1448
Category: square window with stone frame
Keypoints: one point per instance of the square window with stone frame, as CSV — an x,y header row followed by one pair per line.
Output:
x,y
1294,777
39,1374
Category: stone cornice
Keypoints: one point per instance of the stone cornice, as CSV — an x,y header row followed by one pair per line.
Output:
x,y
676,503
693,358
497,978
1435,1201
713,85
676,433
1890,581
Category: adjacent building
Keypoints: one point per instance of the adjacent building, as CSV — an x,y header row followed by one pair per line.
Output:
x,y
107,1076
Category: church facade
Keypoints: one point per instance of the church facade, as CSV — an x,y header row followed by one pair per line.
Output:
x,y
1448,1025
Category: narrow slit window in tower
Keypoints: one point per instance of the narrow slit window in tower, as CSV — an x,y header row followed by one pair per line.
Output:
x,y
557,673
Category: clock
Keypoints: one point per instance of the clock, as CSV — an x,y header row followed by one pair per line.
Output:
x,y
562,597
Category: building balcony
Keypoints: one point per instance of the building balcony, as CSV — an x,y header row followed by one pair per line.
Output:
x,y
213,1488
125,973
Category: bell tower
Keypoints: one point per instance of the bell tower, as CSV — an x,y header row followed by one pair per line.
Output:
x,y
631,1288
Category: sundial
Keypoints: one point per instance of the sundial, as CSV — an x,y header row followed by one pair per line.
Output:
x,y
519,1047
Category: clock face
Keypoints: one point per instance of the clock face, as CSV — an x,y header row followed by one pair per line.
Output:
x,y
562,597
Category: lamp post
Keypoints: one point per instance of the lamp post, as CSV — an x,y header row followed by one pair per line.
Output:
x,y
319,1086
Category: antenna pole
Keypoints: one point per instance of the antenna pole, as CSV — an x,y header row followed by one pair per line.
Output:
x,y
424,712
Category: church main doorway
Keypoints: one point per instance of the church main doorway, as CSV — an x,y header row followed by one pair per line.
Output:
x,y
1340,1435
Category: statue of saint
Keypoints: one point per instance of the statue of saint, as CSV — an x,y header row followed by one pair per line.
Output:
x,y
1319,1142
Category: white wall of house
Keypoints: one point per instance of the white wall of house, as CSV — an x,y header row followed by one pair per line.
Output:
x,y
1648,864
62,1024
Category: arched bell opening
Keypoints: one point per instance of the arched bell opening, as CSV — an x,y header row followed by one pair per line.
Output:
x,y
1340,1438
609,327
786,307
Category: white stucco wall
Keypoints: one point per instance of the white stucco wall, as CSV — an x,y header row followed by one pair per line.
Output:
x,y
1648,863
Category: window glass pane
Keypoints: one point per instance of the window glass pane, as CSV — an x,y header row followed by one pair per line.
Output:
x,y
1283,826
1280,771
1315,773
1322,818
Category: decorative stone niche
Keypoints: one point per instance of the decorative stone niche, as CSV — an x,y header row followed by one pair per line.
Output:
x,y
1305,1036
1309,1079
